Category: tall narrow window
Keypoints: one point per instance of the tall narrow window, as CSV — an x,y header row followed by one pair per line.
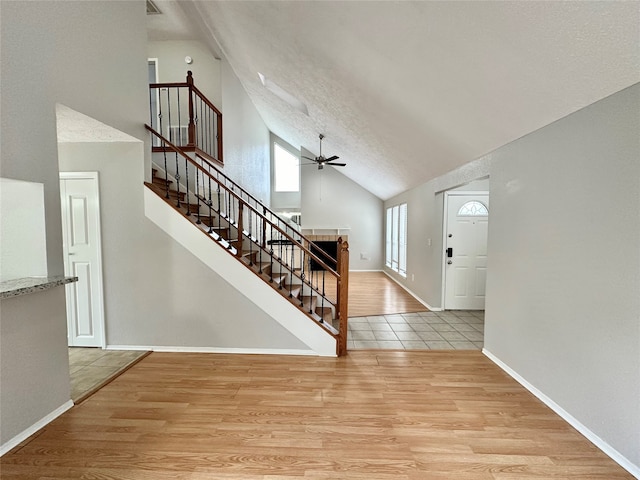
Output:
x,y
388,239
396,239
402,240
286,170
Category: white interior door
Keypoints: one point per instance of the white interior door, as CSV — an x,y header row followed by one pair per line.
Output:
x,y
83,258
466,251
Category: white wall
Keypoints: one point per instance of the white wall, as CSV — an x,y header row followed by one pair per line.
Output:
x,y
34,369
563,302
90,56
71,53
245,139
207,71
156,292
22,236
330,200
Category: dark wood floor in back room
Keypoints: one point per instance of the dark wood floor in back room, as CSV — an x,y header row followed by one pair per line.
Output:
x,y
372,415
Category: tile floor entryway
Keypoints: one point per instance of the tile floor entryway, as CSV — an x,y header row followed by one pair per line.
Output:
x,y
449,330
91,368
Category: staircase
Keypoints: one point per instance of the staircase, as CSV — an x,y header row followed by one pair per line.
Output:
x,y
273,250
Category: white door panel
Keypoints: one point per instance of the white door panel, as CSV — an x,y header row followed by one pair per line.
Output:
x,y
81,295
466,236
82,253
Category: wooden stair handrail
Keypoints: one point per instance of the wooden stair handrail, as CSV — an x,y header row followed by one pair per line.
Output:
x,y
264,207
177,150
197,91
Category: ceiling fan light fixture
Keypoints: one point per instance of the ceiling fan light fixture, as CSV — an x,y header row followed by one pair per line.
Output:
x,y
321,160
283,95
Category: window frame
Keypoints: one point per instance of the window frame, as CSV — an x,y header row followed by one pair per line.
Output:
x,y
396,227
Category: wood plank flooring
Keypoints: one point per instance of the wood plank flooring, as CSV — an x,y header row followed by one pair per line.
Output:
x,y
367,416
374,293
92,368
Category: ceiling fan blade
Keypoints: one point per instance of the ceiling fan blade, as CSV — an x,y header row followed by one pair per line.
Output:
x,y
307,158
336,164
331,159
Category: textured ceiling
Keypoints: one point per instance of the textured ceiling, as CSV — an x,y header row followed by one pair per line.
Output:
x,y
75,127
406,91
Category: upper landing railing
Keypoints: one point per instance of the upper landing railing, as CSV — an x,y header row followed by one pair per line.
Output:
x,y
181,113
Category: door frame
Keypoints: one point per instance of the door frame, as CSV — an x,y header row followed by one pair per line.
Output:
x,y
94,176
445,226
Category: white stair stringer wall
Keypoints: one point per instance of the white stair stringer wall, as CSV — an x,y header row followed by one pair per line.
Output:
x,y
239,276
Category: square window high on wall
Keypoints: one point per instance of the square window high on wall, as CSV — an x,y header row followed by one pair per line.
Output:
x,y
396,239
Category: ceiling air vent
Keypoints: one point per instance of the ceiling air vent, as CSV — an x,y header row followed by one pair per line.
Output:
x,y
152,9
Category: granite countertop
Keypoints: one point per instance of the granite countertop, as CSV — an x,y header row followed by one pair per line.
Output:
x,y
26,285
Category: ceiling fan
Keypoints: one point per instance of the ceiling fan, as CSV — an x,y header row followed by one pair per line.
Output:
x,y
322,161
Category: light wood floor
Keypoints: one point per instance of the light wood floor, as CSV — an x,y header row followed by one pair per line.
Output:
x,y
368,416
91,368
374,293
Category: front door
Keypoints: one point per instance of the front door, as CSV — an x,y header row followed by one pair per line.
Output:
x,y
82,258
467,219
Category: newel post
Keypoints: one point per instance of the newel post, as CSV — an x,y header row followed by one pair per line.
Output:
x,y
343,296
192,124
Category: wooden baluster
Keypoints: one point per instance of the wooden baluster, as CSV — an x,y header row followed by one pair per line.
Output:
x,y
219,136
343,296
192,125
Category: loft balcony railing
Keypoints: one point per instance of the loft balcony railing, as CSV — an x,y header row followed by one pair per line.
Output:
x,y
271,247
181,113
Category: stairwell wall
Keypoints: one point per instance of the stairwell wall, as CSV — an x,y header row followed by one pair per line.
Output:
x,y
158,294
245,139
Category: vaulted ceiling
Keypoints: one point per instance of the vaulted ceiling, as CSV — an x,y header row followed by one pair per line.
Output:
x,y
406,91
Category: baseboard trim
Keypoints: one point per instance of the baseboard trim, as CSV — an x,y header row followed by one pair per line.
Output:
x,y
592,437
237,351
44,421
433,309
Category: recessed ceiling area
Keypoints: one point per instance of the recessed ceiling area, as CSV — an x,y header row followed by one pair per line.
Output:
x,y
406,91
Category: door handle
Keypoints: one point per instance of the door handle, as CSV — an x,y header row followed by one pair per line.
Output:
x,y
449,252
